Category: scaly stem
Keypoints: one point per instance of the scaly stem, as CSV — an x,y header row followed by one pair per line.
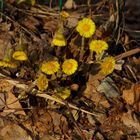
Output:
x,y
91,55
82,48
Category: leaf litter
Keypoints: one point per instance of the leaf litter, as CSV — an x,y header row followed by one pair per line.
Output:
x,y
98,106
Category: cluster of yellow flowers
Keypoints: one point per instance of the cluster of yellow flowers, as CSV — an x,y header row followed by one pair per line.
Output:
x,y
69,67
86,28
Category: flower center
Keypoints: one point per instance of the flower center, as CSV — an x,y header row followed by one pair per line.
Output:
x,y
69,66
86,27
51,66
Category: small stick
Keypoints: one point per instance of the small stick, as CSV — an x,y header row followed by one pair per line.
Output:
x,y
61,102
126,54
90,10
24,86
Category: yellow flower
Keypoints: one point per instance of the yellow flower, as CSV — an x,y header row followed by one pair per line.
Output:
x,y
69,66
20,55
98,46
64,14
86,27
7,64
59,39
107,66
64,93
50,67
42,82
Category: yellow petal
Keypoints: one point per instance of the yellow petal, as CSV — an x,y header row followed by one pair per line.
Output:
x,y
7,64
20,55
42,82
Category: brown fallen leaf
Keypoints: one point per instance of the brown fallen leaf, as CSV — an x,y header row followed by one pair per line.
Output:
x,y
5,44
130,121
70,4
11,102
132,95
50,24
12,131
92,93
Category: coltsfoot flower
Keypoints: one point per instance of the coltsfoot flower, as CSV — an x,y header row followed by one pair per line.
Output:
x,y
64,93
64,14
42,82
86,27
69,66
59,39
7,64
50,67
20,55
108,65
98,46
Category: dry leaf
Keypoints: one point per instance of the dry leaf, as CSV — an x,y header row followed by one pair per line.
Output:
x,y
13,132
5,44
130,121
109,88
70,4
92,94
132,96
98,33
128,96
11,102
50,24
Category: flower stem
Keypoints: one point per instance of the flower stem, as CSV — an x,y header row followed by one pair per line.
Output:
x,y
91,55
82,48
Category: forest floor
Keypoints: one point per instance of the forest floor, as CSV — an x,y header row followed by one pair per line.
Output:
x,y
88,98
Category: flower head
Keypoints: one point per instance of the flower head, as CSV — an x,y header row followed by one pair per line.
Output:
x,y
42,82
98,46
108,65
86,27
50,67
64,14
69,66
7,64
64,93
59,39
20,55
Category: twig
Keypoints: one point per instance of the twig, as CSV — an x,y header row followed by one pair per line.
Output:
x,y
90,9
126,54
44,95
61,102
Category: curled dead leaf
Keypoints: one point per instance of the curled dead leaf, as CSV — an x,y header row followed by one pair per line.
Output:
x,y
132,95
70,4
